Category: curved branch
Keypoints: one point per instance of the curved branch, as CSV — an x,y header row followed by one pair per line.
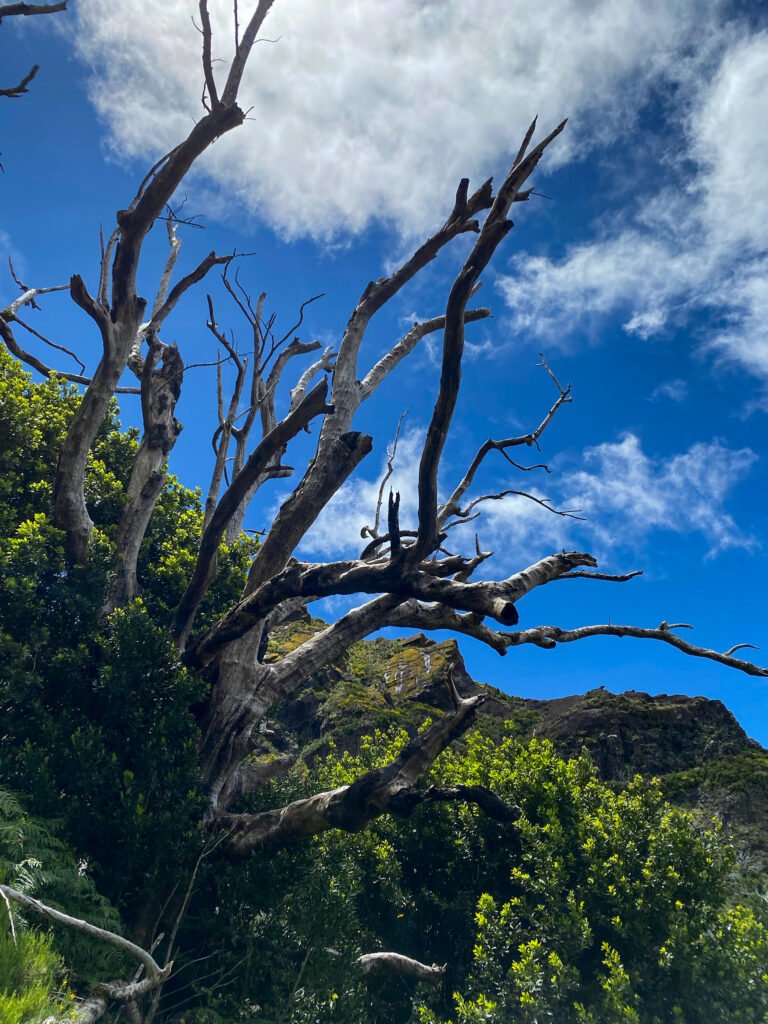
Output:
x,y
42,368
387,790
186,282
568,513
396,963
28,297
154,972
550,636
452,505
407,344
610,577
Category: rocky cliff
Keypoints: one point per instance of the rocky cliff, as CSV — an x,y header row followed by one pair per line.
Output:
x,y
703,757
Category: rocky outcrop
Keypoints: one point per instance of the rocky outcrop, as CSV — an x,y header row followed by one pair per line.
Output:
x,y
633,732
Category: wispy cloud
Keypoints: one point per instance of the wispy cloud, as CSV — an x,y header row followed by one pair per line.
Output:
x,y
699,244
625,494
675,390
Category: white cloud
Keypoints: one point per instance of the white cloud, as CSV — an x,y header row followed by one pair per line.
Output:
x,y
644,277
675,390
730,142
368,110
698,245
628,494
646,324
744,339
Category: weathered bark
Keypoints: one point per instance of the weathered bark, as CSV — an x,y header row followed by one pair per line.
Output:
x,y
119,323
332,466
70,509
425,582
271,446
388,790
241,695
161,388
245,691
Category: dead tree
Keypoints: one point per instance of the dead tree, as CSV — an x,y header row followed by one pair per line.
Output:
x,y
408,577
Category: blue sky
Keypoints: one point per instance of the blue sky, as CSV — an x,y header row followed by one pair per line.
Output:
x,y
643,274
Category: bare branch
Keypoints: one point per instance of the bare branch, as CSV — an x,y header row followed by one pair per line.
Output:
x,y
42,368
373,531
27,298
174,248
27,9
236,71
51,344
494,230
407,344
393,523
622,578
739,647
210,81
451,506
225,428
15,91
325,363
186,282
570,513
98,313
154,972
106,260
494,598
160,391
549,636
313,405
413,614
387,790
292,330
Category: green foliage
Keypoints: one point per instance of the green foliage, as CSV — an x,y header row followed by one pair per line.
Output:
x,y
29,975
598,907
616,908
35,861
